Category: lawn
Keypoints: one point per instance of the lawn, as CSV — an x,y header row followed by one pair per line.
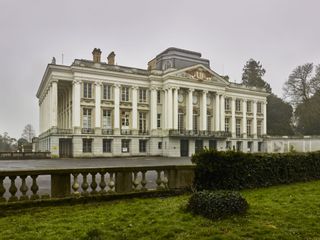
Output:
x,y
282,212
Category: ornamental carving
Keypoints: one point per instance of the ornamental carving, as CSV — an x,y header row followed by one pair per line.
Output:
x,y
200,74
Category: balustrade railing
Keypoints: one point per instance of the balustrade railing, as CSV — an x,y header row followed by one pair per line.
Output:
x,y
87,130
126,132
197,133
30,185
107,131
24,155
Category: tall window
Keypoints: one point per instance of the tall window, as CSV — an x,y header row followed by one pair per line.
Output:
x,y
86,145
142,95
209,122
249,104
227,124
158,97
86,118
249,127
180,121
125,120
106,145
142,146
259,107
107,91
87,90
195,121
106,119
259,128
125,145
159,120
238,105
238,127
227,104
142,122
125,94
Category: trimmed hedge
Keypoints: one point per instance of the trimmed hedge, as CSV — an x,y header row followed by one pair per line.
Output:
x,y
237,170
217,204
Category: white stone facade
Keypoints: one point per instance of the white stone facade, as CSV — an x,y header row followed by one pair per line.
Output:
x,y
96,109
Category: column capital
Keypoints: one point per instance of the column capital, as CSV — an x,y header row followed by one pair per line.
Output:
x,y
76,81
135,87
191,90
117,85
154,88
98,83
205,91
244,100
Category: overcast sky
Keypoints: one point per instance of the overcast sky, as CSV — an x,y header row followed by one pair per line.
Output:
x,y
282,34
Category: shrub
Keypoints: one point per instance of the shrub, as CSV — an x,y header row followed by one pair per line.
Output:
x,y
237,170
217,204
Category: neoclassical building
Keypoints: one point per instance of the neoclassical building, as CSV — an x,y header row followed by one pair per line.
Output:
x,y
175,107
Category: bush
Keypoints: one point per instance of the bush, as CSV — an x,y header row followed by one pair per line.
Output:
x,y
217,204
237,170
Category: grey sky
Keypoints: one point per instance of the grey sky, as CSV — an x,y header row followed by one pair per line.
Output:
x,y
280,33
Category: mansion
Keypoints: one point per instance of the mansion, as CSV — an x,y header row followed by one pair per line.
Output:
x,y
175,107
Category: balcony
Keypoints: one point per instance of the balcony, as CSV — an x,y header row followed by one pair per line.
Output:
x,y
107,131
143,132
125,132
196,133
64,131
87,131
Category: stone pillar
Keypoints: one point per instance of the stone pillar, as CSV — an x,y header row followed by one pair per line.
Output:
x,y
264,130
244,118
54,104
76,93
153,109
175,108
98,107
165,114
116,115
222,114
233,117
170,110
203,111
254,130
134,114
217,112
190,109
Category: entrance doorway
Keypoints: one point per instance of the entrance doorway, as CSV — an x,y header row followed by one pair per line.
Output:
x,y
213,144
65,147
198,145
184,148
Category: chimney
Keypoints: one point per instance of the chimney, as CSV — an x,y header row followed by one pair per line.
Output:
x,y
111,58
96,54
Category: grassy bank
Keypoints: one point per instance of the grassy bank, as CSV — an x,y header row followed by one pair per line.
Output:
x,y
283,212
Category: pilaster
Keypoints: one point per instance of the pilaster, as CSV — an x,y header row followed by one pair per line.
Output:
x,y
175,108
203,111
233,117
217,112
244,119
76,93
190,109
116,122
98,107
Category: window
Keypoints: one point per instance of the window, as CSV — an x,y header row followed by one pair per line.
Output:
x,y
213,144
86,145
226,125
159,120
259,128
142,146
195,121
180,120
159,145
87,90
125,94
106,145
238,127
228,145
259,107
107,90
260,146
249,109
106,119
125,145
249,146
125,120
249,127
227,104
238,105
86,119
198,146
142,122
142,95
158,97
209,122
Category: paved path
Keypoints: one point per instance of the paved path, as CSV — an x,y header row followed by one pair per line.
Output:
x,y
12,165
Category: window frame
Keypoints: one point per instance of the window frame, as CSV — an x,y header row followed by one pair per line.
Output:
x,y
107,145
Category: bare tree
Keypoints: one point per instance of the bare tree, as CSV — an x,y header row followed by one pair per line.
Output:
x,y
28,133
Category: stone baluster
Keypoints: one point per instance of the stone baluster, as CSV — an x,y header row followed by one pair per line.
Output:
x,y
13,189
111,183
34,188
102,184
159,181
2,189
75,185
143,181
24,188
93,184
85,184
135,181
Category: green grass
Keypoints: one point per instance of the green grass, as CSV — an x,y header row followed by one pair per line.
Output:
x,y
283,212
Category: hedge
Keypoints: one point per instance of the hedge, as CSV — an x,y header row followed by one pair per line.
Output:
x,y
237,170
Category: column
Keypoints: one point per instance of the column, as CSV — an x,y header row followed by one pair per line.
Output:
x,y
190,109
54,103
170,110
203,111
134,114
244,118
175,108
217,112
76,93
165,115
98,104
264,131
116,112
233,117
254,130
222,114
153,109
